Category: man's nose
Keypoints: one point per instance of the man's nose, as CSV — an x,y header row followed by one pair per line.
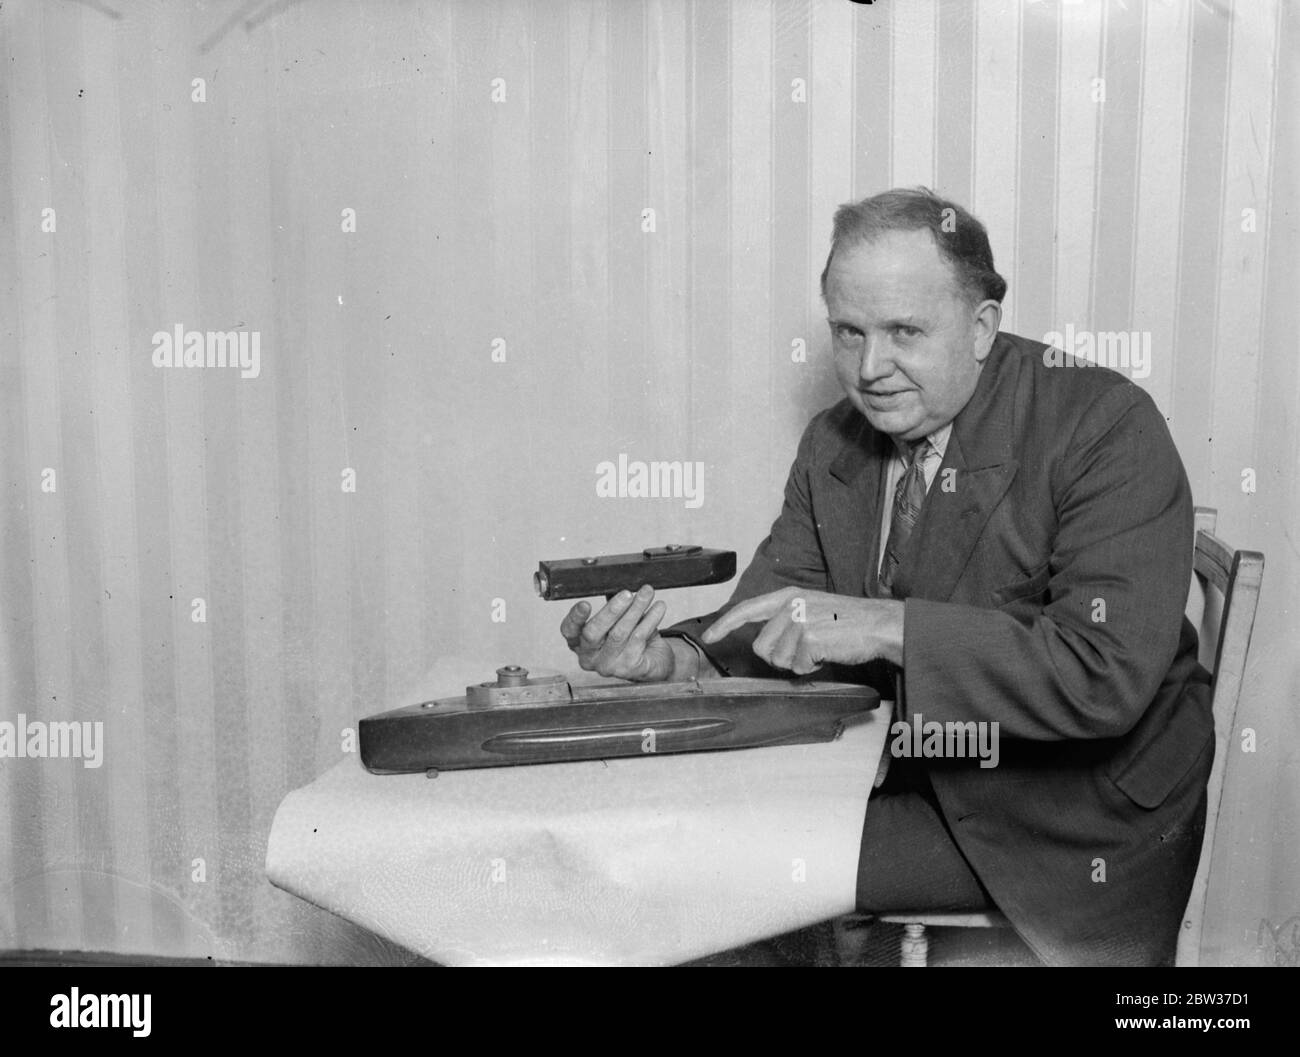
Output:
x,y
877,362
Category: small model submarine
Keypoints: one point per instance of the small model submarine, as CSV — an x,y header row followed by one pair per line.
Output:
x,y
541,717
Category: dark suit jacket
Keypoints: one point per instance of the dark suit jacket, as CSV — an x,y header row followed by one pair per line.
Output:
x,y
1068,490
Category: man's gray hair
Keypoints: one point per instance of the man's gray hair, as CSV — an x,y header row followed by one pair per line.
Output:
x,y
960,238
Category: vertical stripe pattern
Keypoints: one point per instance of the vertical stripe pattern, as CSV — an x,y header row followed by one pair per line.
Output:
x,y
487,249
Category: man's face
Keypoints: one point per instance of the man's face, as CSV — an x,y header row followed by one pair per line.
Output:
x,y
908,346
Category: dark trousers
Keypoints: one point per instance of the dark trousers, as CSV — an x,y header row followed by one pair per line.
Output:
x,y
909,860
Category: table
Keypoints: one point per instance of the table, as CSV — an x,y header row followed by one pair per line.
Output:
x,y
646,861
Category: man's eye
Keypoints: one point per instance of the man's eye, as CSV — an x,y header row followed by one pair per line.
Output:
x,y
848,334
904,331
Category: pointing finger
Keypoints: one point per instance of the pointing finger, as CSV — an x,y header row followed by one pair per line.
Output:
x,y
764,607
777,641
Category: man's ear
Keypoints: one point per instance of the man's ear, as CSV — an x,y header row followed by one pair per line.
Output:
x,y
988,318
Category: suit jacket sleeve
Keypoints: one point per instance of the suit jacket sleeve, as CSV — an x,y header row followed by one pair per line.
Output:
x,y
1087,661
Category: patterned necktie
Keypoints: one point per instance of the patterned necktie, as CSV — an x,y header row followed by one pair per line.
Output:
x,y
908,497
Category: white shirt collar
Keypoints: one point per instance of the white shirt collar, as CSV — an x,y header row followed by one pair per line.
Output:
x,y
938,440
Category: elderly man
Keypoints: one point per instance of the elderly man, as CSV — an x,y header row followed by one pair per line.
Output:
x,y
989,537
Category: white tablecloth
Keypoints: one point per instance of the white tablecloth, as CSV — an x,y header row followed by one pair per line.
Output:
x,y
643,861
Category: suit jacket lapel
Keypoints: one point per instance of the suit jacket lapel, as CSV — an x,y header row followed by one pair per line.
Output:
x,y
852,507
977,470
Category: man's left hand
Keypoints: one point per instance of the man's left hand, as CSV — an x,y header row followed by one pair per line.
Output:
x,y
806,629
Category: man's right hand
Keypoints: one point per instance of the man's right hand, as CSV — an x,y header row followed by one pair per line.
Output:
x,y
622,640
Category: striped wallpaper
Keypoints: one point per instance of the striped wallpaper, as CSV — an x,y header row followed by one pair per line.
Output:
x,y
582,229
